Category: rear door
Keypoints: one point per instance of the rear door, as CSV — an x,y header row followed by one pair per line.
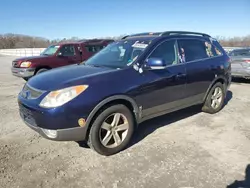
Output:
x,y
201,67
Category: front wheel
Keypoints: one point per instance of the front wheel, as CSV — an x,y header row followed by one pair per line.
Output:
x,y
112,130
215,99
40,71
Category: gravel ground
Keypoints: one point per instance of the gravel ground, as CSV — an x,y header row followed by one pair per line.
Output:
x,y
183,149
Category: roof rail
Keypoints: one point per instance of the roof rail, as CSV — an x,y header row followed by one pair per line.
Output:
x,y
142,34
167,33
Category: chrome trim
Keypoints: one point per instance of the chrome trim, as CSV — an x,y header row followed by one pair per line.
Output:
x,y
23,72
38,90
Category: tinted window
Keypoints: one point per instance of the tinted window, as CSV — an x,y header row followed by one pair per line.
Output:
x,y
194,49
166,51
216,51
94,48
67,50
211,50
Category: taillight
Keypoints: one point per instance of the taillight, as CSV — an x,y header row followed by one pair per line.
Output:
x,y
246,63
229,60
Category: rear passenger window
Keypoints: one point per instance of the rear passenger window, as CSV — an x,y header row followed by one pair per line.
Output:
x,y
94,48
193,50
165,51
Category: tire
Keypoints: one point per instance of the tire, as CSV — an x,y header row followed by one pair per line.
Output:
x,y
40,71
209,106
97,133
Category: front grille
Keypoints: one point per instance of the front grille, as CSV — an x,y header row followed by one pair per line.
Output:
x,y
27,115
30,92
15,64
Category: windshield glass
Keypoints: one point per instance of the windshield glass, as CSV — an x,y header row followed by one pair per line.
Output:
x,y
119,54
51,50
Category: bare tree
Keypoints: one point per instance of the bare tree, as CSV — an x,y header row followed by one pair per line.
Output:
x,y
24,41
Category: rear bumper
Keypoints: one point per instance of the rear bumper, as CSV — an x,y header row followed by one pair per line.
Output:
x,y
23,72
244,73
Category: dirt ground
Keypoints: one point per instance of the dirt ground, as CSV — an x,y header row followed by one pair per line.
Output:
x,y
183,149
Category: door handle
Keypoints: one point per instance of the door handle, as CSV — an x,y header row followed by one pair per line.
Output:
x,y
180,75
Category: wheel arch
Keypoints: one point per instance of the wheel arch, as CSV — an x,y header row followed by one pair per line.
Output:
x,y
117,99
42,67
220,79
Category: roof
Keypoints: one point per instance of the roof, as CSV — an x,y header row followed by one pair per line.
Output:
x,y
88,41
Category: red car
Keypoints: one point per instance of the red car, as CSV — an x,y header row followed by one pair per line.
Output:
x,y
56,56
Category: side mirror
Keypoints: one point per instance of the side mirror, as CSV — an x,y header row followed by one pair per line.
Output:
x,y
59,54
155,64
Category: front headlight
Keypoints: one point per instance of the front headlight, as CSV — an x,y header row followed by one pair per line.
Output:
x,y
62,96
25,64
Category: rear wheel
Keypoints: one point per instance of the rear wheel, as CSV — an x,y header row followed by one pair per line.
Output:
x,y
112,130
215,99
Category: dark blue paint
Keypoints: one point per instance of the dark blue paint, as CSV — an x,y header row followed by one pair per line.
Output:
x,y
155,91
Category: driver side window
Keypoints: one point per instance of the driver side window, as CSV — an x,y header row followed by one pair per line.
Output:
x,y
166,51
67,50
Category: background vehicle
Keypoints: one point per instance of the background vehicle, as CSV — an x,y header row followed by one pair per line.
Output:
x,y
240,62
137,78
56,56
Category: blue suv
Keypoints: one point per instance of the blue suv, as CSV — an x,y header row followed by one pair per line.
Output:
x,y
141,76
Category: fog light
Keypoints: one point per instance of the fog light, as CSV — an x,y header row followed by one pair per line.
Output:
x,y
50,133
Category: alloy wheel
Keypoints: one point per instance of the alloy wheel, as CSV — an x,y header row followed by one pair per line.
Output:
x,y
114,130
216,98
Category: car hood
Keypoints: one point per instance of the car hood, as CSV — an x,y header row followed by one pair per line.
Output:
x,y
68,76
30,58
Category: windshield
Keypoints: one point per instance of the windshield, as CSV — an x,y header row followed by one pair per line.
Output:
x,y
51,50
119,54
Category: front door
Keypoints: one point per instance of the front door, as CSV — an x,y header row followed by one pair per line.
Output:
x,y
68,54
164,90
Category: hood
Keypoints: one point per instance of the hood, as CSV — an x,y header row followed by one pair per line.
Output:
x,y
68,76
30,58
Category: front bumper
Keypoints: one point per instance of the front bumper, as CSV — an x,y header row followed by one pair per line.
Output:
x,y
70,134
23,72
54,125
